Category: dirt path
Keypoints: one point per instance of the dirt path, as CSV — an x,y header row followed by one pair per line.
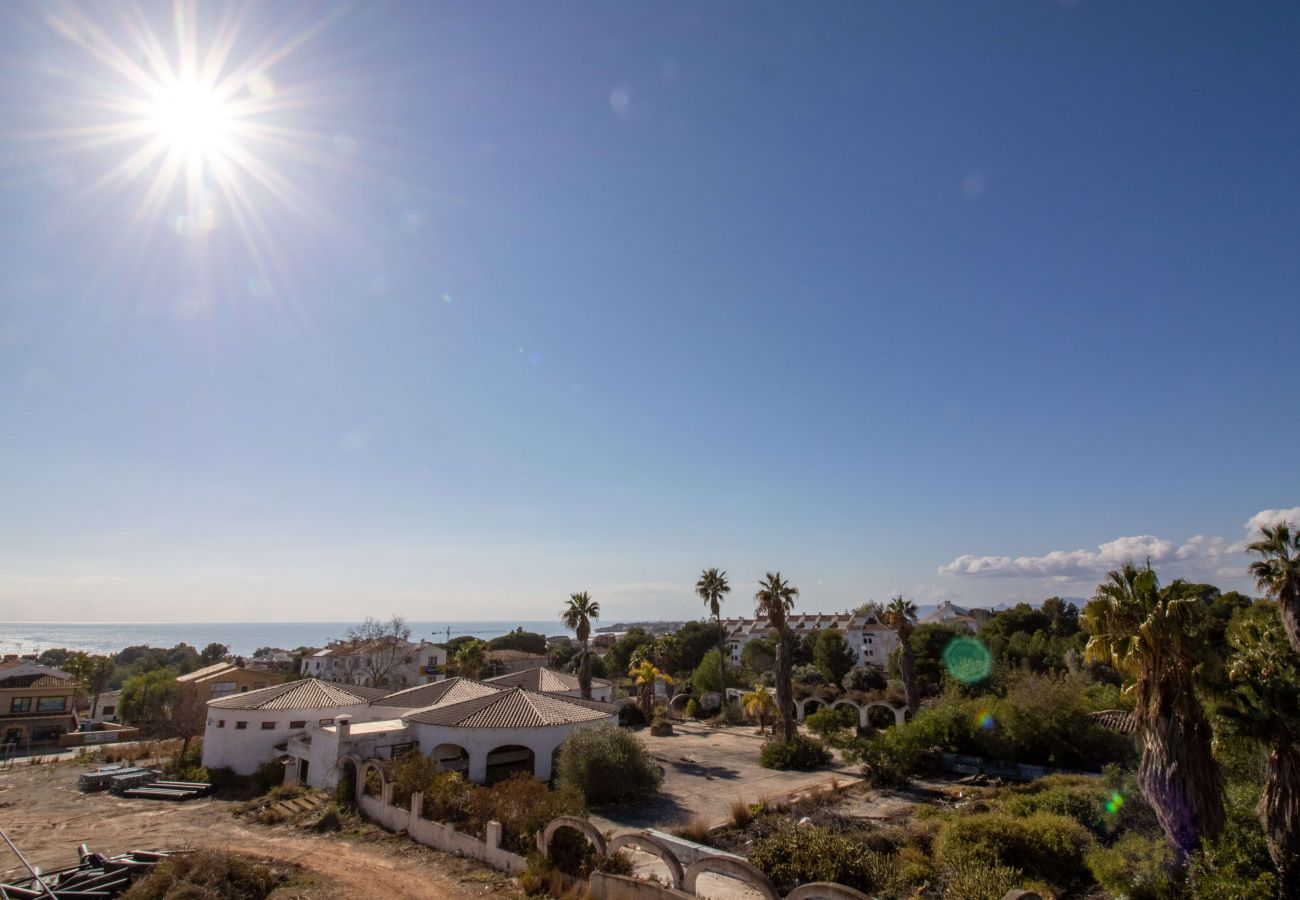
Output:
x,y
47,817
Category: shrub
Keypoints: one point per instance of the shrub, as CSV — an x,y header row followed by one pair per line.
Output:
x,y
801,753
205,875
1136,866
631,716
692,709
1043,845
447,798
1081,799
695,829
798,854
661,727
971,879
830,719
865,678
413,773
607,765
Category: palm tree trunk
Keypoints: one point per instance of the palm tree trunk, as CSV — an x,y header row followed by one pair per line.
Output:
x,y
1178,775
1289,609
907,670
584,673
783,686
1279,812
722,660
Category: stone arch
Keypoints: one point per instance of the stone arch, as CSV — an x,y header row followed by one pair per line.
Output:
x,y
808,706
450,757
650,844
349,788
862,713
825,890
898,712
582,826
363,776
677,706
506,760
732,868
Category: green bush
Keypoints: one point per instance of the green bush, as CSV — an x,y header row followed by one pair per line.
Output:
x,y
205,875
661,727
830,719
1080,798
801,753
1043,845
692,709
797,854
971,879
1136,866
413,773
607,765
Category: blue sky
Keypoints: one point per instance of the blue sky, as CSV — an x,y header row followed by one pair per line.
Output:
x,y
510,301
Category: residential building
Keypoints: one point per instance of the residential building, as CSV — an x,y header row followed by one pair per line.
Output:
x,y
550,681
505,662
872,641
225,678
106,707
955,616
354,663
36,706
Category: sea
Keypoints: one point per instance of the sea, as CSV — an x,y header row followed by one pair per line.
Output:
x,y
241,637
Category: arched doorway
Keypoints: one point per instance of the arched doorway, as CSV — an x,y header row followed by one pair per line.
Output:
x,y
450,758
506,761
880,716
347,789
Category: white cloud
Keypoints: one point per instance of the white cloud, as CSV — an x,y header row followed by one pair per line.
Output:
x,y
1199,555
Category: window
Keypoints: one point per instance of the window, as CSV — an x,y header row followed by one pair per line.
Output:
x,y
240,726
51,704
109,710
268,726
21,705
299,724
325,722
221,723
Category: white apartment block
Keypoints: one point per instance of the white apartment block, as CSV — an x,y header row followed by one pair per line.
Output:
x,y
871,640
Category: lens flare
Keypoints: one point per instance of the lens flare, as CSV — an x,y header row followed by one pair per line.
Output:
x,y
1114,803
984,720
967,660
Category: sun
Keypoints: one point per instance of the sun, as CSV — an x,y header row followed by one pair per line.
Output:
x,y
191,118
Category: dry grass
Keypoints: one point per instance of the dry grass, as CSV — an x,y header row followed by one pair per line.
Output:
x,y
742,813
697,830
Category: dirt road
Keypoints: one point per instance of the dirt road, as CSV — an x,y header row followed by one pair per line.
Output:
x,y
47,817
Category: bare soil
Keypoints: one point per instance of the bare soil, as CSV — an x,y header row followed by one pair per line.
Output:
x,y
47,818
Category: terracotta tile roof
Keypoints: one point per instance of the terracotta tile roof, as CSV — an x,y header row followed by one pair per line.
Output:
x,y
422,696
515,708
29,674
542,679
308,693
1120,720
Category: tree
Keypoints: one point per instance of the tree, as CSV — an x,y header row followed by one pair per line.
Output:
x,y
92,673
711,588
705,677
758,705
872,609
619,655
213,653
759,655
471,659
1063,615
900,615
1278,574
1151,636
694,639
381,647
525,641
644,678
147,701
1262,706
578,615
833,656
774,601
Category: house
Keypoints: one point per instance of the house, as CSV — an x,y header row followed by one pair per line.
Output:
x,y
872,641
106,707
224,678
323,732
404,664
551,682
504,662
36,706
955,616
273,659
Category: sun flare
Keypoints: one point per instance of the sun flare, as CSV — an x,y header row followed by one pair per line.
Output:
x,y
192,118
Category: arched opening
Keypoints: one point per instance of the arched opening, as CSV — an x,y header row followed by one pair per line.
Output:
x,y
347,789
506,761
372,783
810,706
677,706
880,718
450,758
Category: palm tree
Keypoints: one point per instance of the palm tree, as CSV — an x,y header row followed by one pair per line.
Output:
x,y
900,615
644,676
711,588
1149,634
1278,574
1262,706
470,659
775,600
578,615
757,704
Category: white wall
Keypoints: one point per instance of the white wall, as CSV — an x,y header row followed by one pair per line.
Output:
x,y
245,749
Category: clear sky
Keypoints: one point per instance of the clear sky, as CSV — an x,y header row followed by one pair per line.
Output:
x,y
454,309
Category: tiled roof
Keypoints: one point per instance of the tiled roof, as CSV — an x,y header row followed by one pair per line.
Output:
x,y
453,690
205,672
29,674
516,708
542,679
1120,720
308,693
514,654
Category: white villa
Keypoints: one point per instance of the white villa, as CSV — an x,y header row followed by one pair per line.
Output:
x,y
317,729
345,663
955,616
870,639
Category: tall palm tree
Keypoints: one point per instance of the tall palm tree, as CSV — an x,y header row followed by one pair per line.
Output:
x,y
758,705
775,600
1262,705
900,615
578,614
471,659
644,676
711,588
1278,574
1150,635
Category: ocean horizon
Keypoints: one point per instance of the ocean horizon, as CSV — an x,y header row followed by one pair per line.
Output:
x,y
243,638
